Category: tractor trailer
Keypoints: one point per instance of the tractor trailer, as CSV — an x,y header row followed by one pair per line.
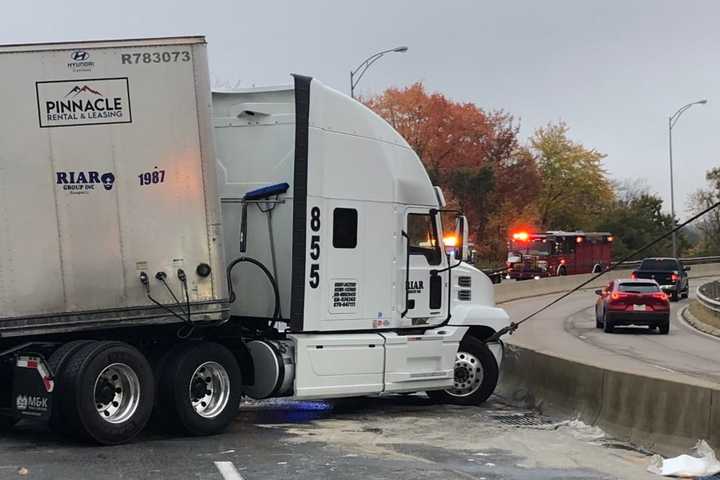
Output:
x,y
166,250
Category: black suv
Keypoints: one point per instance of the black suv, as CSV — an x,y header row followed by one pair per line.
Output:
x,y
669,273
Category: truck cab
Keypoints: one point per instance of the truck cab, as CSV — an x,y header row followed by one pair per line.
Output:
x,y
368,299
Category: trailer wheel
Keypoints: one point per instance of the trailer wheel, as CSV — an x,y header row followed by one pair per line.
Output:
x,y
109,392
476,375
201,388
56,362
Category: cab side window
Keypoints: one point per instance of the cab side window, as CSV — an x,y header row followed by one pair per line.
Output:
x,y
345,227
423,237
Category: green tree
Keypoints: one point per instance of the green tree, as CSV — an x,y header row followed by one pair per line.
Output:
x,y
708,225
575,187
636,218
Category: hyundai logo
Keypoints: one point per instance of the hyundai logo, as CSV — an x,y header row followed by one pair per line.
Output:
x,y
79,55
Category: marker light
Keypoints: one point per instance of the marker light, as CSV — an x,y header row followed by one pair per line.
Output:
x,y
450,241
610,238
522,236
578,239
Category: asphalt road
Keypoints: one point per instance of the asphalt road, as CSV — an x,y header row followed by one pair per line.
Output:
x,y
568,329
399,437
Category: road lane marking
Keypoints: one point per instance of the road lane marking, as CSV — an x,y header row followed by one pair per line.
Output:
x,y
228,471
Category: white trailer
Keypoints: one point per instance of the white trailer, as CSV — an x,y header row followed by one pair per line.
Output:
x,y
329,278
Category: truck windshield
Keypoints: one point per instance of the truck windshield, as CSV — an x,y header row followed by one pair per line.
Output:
x,y
636,287
665,264
531,247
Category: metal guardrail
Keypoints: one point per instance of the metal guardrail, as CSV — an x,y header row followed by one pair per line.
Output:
x,y
709,295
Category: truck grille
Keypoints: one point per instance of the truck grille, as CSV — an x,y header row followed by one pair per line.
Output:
x,y
465,281
464,295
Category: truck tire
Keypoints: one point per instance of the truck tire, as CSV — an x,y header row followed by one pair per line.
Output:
x,y
562,271
108,394
56,362
200,389
476,375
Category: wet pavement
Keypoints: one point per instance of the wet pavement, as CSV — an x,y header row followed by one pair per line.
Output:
x,y
398,437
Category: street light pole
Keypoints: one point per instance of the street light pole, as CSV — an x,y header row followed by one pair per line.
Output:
x,y
672,120
357,74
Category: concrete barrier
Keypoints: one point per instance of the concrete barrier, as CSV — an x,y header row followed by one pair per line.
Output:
x,y
661,415
511,290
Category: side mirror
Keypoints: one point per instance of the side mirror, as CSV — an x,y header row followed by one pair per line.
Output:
x,y
687,269
598,292
461,229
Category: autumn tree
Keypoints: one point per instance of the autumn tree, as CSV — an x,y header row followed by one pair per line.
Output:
x,y
472,154
575,188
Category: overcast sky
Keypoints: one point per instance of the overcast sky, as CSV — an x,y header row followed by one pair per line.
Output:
x,y
614,70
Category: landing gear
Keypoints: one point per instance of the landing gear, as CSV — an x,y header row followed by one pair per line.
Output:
x,y
6,423
476,375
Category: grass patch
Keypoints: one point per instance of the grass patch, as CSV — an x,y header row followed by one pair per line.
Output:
x,y
704,315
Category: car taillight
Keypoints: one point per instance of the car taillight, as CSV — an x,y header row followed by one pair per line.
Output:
x,y
661,296
617,296
633,275
675,277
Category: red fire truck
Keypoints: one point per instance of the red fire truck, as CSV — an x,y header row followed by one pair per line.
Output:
x,y
547,254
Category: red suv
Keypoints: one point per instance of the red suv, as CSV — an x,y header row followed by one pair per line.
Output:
x,y
632,302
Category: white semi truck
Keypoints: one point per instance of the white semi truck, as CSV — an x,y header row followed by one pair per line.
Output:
x,y
165,251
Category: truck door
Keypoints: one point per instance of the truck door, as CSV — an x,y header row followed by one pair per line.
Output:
x,y
425,293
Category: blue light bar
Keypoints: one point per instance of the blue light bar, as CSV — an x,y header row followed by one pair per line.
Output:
x,y
266,192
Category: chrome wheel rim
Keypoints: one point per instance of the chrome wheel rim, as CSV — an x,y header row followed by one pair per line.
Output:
x,y
117,393
209,389
469,375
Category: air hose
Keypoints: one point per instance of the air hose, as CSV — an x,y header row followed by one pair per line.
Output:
x,y
273,282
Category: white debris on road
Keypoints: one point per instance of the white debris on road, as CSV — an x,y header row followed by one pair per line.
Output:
x,y
686,465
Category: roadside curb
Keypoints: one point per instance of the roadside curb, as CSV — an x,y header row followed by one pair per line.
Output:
x,y
661,415
698,324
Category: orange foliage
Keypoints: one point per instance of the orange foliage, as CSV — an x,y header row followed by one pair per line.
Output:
x,y
472,154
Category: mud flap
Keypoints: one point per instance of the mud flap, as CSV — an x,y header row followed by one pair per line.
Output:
x,y
32,387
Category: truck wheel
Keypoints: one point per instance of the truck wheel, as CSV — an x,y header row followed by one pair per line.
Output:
x,y
562,271
476,375
7,423
56,363
108,394
674,296
201,389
